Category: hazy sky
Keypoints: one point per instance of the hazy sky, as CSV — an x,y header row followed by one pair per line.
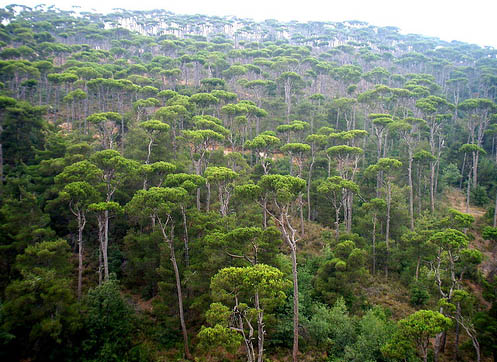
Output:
x,y
473,21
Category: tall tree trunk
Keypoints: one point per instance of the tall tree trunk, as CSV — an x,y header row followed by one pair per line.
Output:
x,y
301,203
309,179
418,264
468,189
295,350
458,328
105,245
436,349
149,150
425,353
411,191
437,171
170,242
185,238
337,222
101,237
198,198
264,211
81,226
462,169
475,168
350,201
374,243
260,329
387,230
419,190
288,100
247,340
208,203
432,186
100,263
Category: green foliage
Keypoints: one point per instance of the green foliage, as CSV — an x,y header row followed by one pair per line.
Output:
x,y
142,254
212,338
23,131
384,165
157,201
163,117
296,148
451,175
336,185
459,220
450,239
43,267
334,327
479,196
108,324
490,233
219,174
17,234
342,274
415,331
373,332
283,189
419,294
263,279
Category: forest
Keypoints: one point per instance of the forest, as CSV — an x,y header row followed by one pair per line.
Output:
x,y
188,187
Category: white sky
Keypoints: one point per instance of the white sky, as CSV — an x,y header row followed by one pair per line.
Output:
x,y
472,21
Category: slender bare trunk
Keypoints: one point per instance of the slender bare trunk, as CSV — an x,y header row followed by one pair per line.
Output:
x,y
301,203
81,226
418,264
101,238
264,210
337,222
240,328
170,242
185,238
374,244
468,188
425,352
475,168
419,190
198,198
436,349
350,201
411,192
260,329
288,100
462,169
309,179
105,245
208,206
295,304
437,172
458,328
387,230
149,151
432,186
100,277
180,300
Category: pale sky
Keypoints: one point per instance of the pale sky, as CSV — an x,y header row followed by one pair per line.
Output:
x,y
472,21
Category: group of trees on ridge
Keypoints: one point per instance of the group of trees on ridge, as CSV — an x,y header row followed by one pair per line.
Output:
x,y
221,189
